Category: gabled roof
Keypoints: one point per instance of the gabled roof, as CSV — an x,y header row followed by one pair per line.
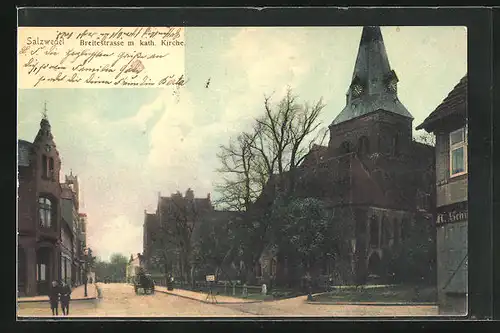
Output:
x,y
454,104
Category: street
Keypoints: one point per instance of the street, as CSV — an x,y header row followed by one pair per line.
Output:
x,y
119,300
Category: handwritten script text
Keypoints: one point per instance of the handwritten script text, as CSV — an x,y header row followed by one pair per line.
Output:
x,y
100,57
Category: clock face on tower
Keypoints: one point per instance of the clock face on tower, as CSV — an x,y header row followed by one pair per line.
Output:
x,y
47,148
392,86
357,89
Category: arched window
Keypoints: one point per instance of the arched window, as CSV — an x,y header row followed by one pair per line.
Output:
x,y
395,145
405,229
374,232
45,212
363,145
345,147
385,231
395,230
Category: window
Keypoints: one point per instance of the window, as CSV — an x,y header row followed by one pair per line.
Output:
x,y
41,272
374,232
45,211
385,232
51,168
363,145
395,145
45,171
345,147
395,230
458,152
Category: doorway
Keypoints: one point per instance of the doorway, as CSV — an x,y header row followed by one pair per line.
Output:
x,y
43,270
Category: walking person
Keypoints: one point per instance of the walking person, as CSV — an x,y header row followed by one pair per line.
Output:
x,y
65,298
54,298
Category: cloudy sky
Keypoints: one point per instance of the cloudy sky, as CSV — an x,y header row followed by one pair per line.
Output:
x,y
126,145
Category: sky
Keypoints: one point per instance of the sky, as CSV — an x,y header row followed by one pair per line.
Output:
x,y
128,145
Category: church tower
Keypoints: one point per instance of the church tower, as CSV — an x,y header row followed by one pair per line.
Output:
x,y
373,120
72,181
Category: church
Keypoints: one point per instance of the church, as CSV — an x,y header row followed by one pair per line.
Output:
x,y
373,177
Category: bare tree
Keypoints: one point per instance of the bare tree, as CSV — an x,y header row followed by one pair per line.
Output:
x,y
258,160
285,135
177,222
239,187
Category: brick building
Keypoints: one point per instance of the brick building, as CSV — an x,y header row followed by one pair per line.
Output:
x,y
449,123
46,214
39,212
161,253
372,176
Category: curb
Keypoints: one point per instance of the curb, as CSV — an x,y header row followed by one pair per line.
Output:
x,y
204,301
96,297
373,303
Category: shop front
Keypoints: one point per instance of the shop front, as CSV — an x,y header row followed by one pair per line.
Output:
x,y
452,257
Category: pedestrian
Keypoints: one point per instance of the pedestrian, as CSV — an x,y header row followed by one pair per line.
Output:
x,y
65,298
54,298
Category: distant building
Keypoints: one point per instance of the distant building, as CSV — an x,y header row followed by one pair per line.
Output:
x,y
162,255
372,176
133,266
449,123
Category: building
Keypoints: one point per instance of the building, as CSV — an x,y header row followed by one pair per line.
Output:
x,y
39,212
182,218
50,235
72,255
449,124
176,215
68,234
373,177
133,266
82,243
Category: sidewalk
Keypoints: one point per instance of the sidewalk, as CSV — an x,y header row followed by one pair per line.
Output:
x,y
77,294
202,297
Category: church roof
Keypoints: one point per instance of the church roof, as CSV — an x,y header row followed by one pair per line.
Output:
x,y
372,74
454,104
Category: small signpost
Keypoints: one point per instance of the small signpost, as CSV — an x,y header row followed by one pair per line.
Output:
x,y
210,296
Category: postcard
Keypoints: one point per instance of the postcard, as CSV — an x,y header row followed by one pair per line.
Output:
x,y
233,172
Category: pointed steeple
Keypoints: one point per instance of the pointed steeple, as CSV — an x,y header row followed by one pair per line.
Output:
x,y
44,133
374,84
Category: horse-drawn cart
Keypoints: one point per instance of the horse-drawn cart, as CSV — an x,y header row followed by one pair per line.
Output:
x,y
145,282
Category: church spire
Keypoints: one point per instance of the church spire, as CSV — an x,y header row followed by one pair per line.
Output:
x,y
374,84
44,133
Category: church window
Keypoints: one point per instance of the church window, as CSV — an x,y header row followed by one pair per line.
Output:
x,y
363,145
395,145
345,147
374,232
385,232
395,230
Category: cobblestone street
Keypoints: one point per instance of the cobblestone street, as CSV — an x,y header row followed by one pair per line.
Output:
x,y
119,300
